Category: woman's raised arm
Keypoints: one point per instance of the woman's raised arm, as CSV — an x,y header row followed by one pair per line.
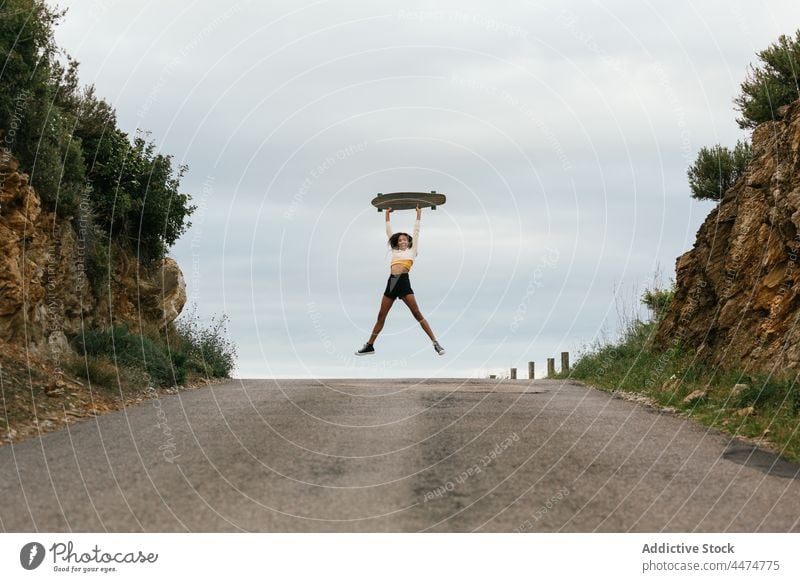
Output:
x,y
416,230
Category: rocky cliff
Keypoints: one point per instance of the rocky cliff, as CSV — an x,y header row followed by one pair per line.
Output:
x,y
44,292
737,300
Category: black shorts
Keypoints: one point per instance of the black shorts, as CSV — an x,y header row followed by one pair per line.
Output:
x,y
398,286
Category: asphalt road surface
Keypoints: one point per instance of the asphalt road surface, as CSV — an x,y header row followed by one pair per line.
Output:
x,y
394,455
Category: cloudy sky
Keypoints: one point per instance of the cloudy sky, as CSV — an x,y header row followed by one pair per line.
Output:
x,y
559,131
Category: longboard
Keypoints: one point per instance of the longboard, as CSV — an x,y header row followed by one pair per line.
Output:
x,y
408,200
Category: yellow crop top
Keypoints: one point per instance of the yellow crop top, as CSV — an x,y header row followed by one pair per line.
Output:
x,y
406,257
405,262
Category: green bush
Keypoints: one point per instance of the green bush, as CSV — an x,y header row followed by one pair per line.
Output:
x,y
158,211
658,300
207,348
771,84
764,391
127,349
716,169
167,354
98,371
66,138
27,49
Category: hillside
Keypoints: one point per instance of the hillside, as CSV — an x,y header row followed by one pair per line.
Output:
x,y
45,292
47,299
736,301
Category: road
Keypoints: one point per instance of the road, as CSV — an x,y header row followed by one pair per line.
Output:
x,y
394,455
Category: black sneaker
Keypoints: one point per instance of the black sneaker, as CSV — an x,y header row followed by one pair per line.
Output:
x,y
439,349
367,350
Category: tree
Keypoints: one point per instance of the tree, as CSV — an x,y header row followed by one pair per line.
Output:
x,y
771,85
35,87
67,140
716,169
27,49
159,213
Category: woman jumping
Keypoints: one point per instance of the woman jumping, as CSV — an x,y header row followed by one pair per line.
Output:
x,y
404,251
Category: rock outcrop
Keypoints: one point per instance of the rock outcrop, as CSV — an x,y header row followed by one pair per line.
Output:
x,y
45,294
737,299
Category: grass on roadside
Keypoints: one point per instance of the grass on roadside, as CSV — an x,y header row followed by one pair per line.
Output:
x,y
763,406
